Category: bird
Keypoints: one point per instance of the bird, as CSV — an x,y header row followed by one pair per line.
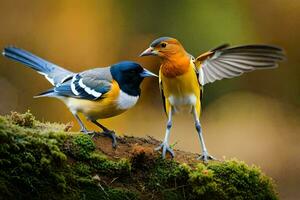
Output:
x,y
96,93
182,77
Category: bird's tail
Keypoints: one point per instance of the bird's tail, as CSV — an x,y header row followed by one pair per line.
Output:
x,y
27,58
52,72
48,93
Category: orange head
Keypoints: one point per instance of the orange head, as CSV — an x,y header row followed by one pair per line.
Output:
x,y
165,48
175,60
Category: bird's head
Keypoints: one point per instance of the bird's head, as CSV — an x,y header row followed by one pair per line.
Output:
x,y
129,76
164,47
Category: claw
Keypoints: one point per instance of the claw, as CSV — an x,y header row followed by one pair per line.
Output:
x,y
205,157
112,135
165,148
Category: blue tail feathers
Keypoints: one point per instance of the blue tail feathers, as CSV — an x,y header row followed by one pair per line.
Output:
x,y
53,73
28,59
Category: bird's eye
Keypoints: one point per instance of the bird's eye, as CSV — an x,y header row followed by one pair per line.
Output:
x,y
163,45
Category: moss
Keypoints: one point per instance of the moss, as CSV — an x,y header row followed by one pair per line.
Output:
x,y
41,161
218,180
80,146
98,193
203,184
169,179
231,180
121,194
82,169
26,119
32,164
241,181
101,164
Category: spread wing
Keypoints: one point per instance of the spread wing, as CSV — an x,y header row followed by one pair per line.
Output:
x,y
227,62
91,85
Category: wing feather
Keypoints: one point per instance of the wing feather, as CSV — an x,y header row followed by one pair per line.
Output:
x,y
227,70
227,62
83,86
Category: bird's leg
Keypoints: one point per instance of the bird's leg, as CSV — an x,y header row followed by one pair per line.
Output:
x,y
83,129
107,133
165,145
205,155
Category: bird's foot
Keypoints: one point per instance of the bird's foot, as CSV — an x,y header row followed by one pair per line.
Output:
x,y
165,148
85,131
110,134
205,157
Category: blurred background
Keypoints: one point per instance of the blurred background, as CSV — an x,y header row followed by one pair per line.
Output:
x,y
254,117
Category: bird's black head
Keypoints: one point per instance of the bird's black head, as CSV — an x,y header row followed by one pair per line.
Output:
x,y
129,76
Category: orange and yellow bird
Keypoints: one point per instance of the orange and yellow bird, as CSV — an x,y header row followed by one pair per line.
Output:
x,y
182,77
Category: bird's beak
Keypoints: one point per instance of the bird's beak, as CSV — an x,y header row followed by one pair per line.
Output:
x,y
149,52
147,73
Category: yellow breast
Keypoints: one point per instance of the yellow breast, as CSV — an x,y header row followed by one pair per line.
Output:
x,y
110,104
183,89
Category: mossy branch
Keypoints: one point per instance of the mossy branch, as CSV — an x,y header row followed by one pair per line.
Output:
x,y
42,161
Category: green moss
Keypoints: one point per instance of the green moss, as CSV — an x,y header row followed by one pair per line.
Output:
x,y
31,164
40,161
103,165
170,179
80,146
236,179
231,180
203,183
82,169
217,180
98,193
121,194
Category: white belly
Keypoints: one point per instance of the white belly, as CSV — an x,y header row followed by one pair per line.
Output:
x,y
188,100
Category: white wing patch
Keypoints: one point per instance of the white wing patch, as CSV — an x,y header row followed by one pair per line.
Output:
x,y
126,101
89,90
73,87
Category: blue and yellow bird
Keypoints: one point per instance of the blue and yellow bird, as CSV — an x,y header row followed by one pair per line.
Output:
x,y
182,77
96,93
